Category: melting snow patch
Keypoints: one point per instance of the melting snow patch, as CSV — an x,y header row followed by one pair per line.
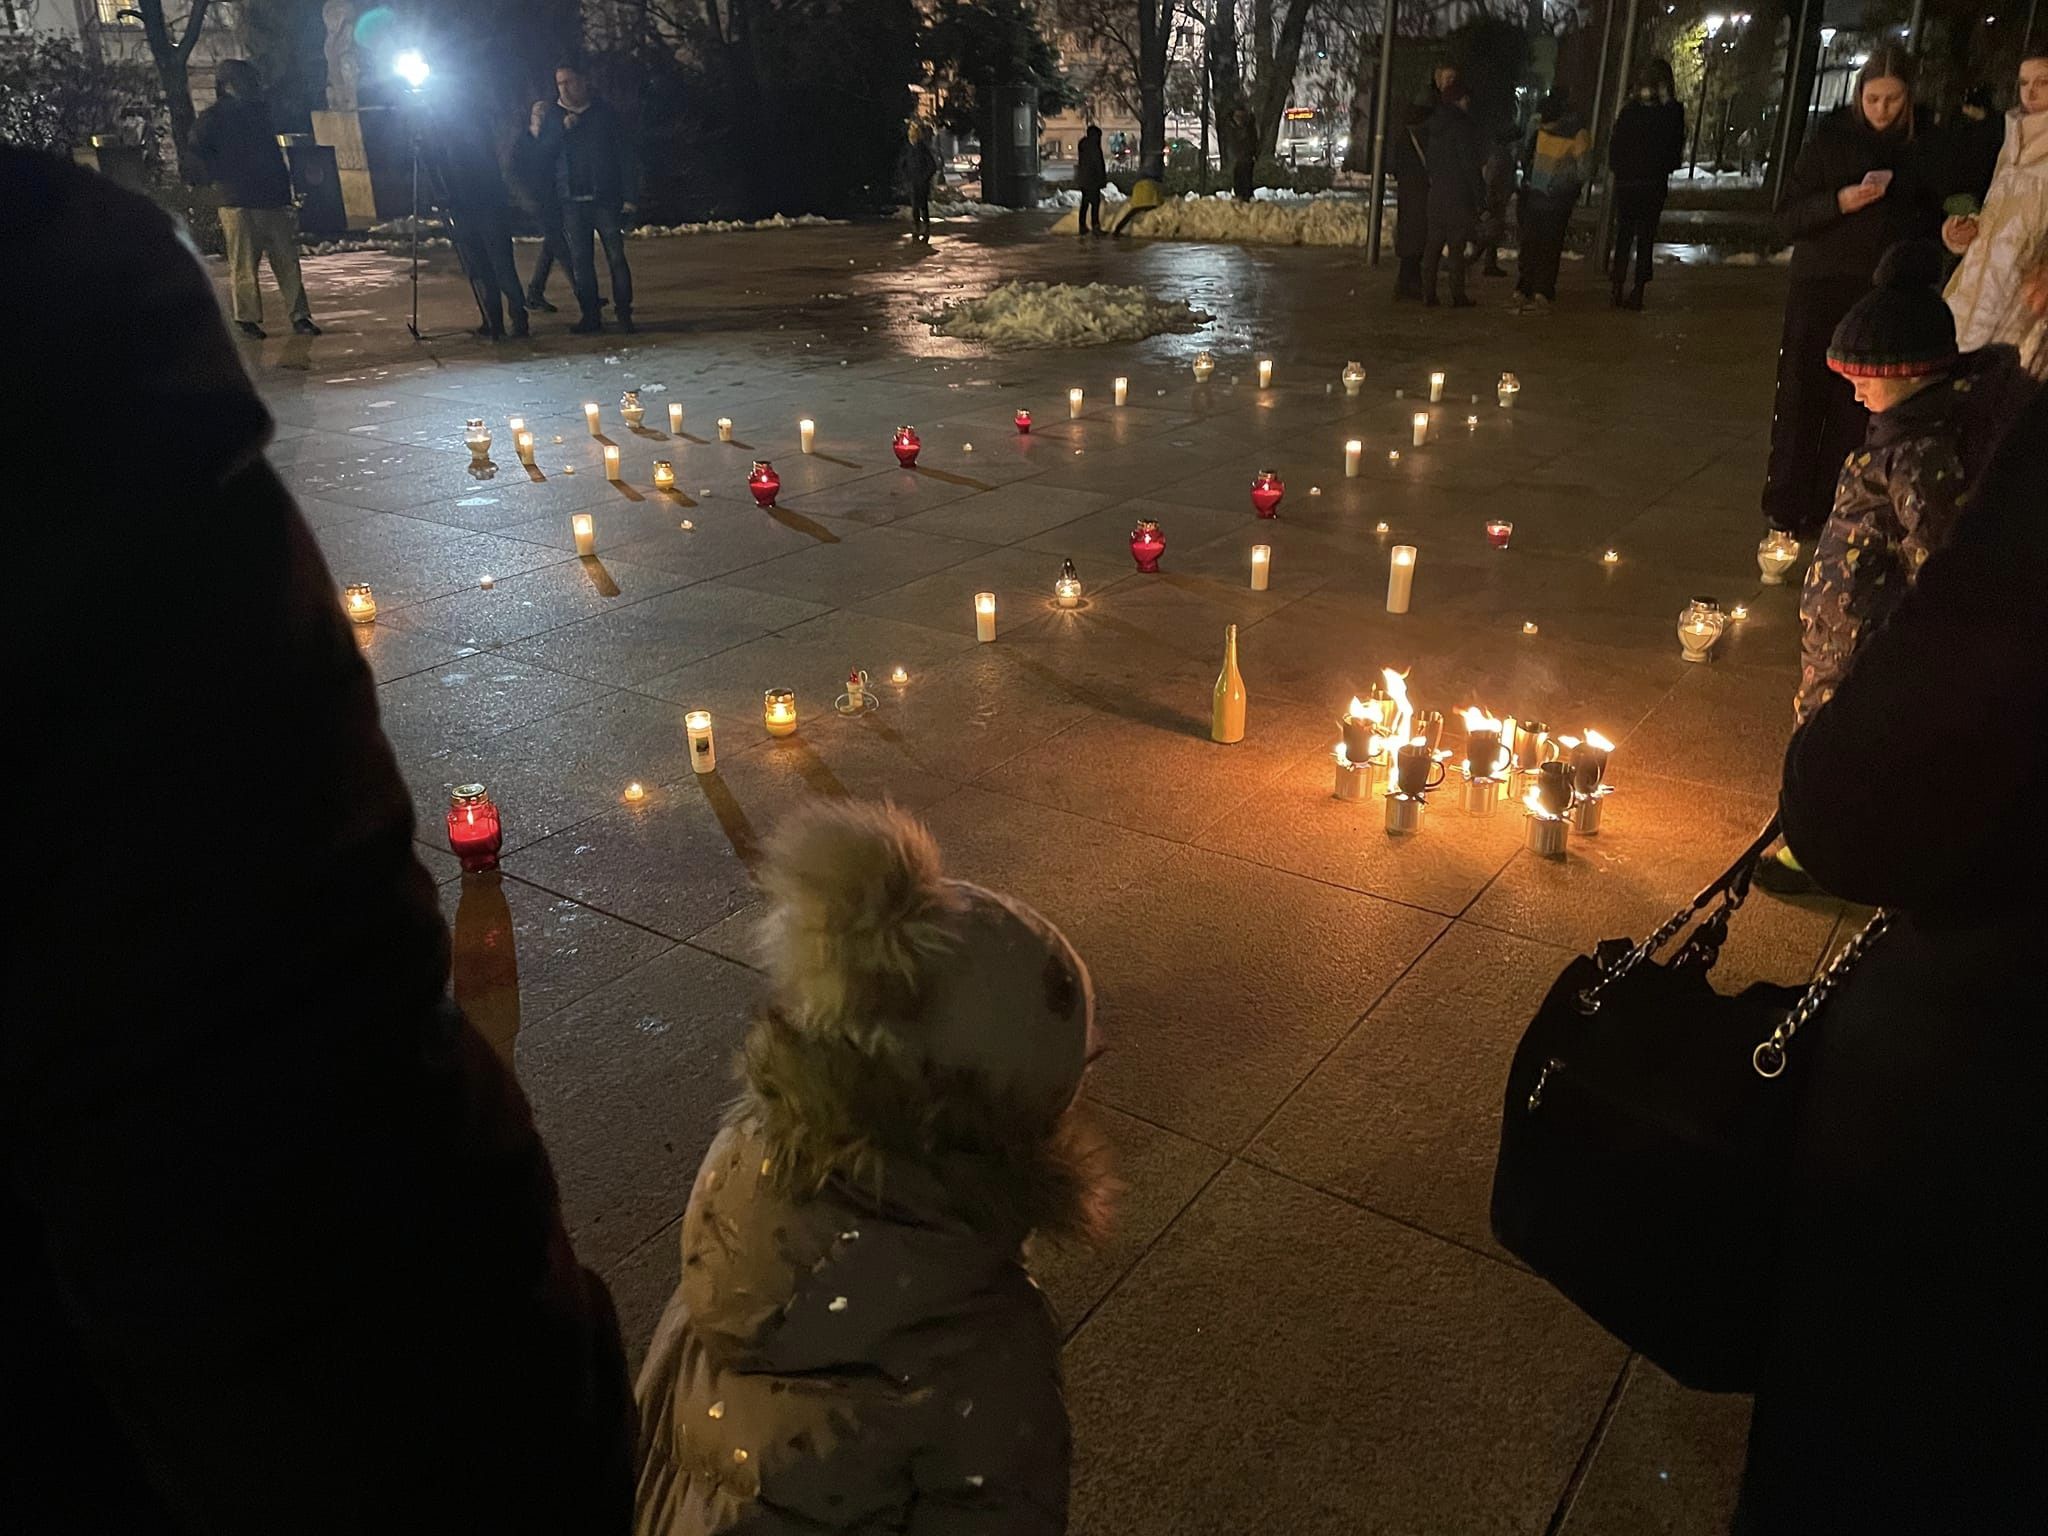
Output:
x,y
1065,314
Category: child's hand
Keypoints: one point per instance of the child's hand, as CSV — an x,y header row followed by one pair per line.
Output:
x,y
1957,233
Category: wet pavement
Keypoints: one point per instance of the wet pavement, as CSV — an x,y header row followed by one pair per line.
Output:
x,y
1302,1323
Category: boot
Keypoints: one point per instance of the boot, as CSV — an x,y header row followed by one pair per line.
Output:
x,y
1634,299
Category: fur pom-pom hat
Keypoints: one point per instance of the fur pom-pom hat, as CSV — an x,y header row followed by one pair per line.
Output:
x,y
867,941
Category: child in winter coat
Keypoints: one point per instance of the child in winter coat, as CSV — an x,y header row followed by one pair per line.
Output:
x,y
855,1344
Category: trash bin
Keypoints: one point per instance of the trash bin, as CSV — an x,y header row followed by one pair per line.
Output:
x,y
316,184
1009,175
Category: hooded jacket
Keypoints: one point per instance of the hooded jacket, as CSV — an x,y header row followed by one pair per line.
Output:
x,y
856,1344
2012,236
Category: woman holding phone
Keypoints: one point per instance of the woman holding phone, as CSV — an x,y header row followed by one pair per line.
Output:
x,y
1857,189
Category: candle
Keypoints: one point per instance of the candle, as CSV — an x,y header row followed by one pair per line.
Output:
x,y
1699,626
631,411
1023,423
1067,590
664,475
522,443
1421,428
1204,365
1436,386
515,424
1506,390
899,677
487,581
1267,491
474,832
1738,613
1529,627
778,711
611,462
1499,532
763,483
478,437
703,748
1393,455
1122,387
1381,528
1471,423
1354,377
634,793
585,530
984,616
1359,725
807,435
1073,402
725,429
590,416
1148,543
359,603
1265,372
1354,455
1775,556
1400,578
906,445
675,415
1262,566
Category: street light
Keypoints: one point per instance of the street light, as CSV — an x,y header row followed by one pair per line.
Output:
x,y
411,67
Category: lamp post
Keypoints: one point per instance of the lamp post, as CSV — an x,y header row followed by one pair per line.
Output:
x,y
1820,73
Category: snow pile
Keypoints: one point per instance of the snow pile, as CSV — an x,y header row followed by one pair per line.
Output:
x,y
731,226
396,234
1284,219
1064,314
957,208
1071,198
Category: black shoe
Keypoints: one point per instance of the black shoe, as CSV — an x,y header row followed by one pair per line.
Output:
x,y
521,330
1634,299
305,327
489,333
251,329
626,323
589,325
1461,302
538,304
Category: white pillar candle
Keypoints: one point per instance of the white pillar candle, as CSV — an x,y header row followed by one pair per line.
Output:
x,y
1073,402
984,616
1262,566
703,747
807,435
1400,578
585,530
611,462
522,444
725,429
1354,455
675,423
1265,372
1421,428
590,416
515,424
1123,390
1436,386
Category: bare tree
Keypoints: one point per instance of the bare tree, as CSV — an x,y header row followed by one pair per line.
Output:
x,y
171,42
1132,38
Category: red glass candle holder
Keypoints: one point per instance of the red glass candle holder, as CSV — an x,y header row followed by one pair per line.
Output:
x,y
474,835
1498,532
1147,545
1267,490
764,483
1023,423
906,444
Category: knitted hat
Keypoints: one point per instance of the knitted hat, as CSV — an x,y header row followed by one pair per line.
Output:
x,y
1902,328
866,941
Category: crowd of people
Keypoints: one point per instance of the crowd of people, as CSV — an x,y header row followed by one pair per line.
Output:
x,y
287,1247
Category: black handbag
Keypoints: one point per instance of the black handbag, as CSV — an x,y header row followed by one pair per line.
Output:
x,y
1645,1130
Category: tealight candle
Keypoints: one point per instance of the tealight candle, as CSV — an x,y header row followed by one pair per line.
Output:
x,y
1354,455
1380,528
675,415
1498,532
590,416
1265,372
1612,557
1421,425
515,424
1393,455
778,711
1073,402
1436,386
703,748
1400,578
522,444
1529,626
725,429
899,677
359,603
584,527
1262,566
807,435
1122,387
664,475
1738,612
487,582
635,793
1471,423
611,462
984,616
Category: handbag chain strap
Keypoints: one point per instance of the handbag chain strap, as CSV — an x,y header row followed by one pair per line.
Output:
x,y
1769,1057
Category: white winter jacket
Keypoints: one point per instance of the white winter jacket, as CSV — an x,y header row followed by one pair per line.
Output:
x,y
2012,235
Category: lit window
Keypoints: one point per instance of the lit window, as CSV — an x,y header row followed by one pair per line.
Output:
x,y
118,13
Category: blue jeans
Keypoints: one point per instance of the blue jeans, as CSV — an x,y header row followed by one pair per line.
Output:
x,y
581,219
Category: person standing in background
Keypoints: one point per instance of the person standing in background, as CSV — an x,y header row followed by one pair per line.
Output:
x,y
533,184
916,168
1557,173
2009,234
597,178
1090,177
1647,146
1411,199
237,145
1457,192
471,189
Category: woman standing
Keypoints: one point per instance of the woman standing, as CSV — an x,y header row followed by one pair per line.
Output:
x,y
1856,191
1648,143
2001,243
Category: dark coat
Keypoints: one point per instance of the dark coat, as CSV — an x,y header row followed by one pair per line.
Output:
x,y
1090,174
1411,183
1904,1390
1648,143
237,148
593,155
283,1249
1827,243
464,167
1457,148
916,165
1963,156
856,1344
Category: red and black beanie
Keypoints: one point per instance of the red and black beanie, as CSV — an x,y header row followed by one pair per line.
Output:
x,y
1902,328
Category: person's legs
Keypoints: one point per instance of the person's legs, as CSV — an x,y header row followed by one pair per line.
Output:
x,y
494,234
1815,421
1458,239
1647,215
554,250
279,237
239,235
611,230
1549,219
476,265
579,229
921,208
1432,260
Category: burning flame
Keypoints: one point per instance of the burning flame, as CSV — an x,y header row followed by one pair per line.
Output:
x,y
1598,742
1478,719
1389,735
1537,809
1360,710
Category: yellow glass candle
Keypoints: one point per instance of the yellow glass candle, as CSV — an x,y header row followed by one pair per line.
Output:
x,y
984,616
359,603
778,711
584,527
1265,372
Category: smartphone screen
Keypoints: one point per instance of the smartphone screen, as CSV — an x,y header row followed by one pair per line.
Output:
x,y
1877,178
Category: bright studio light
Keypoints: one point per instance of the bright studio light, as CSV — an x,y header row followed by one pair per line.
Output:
x,y
411,67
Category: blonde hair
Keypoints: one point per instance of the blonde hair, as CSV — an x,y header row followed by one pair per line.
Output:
x,y
1887,63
